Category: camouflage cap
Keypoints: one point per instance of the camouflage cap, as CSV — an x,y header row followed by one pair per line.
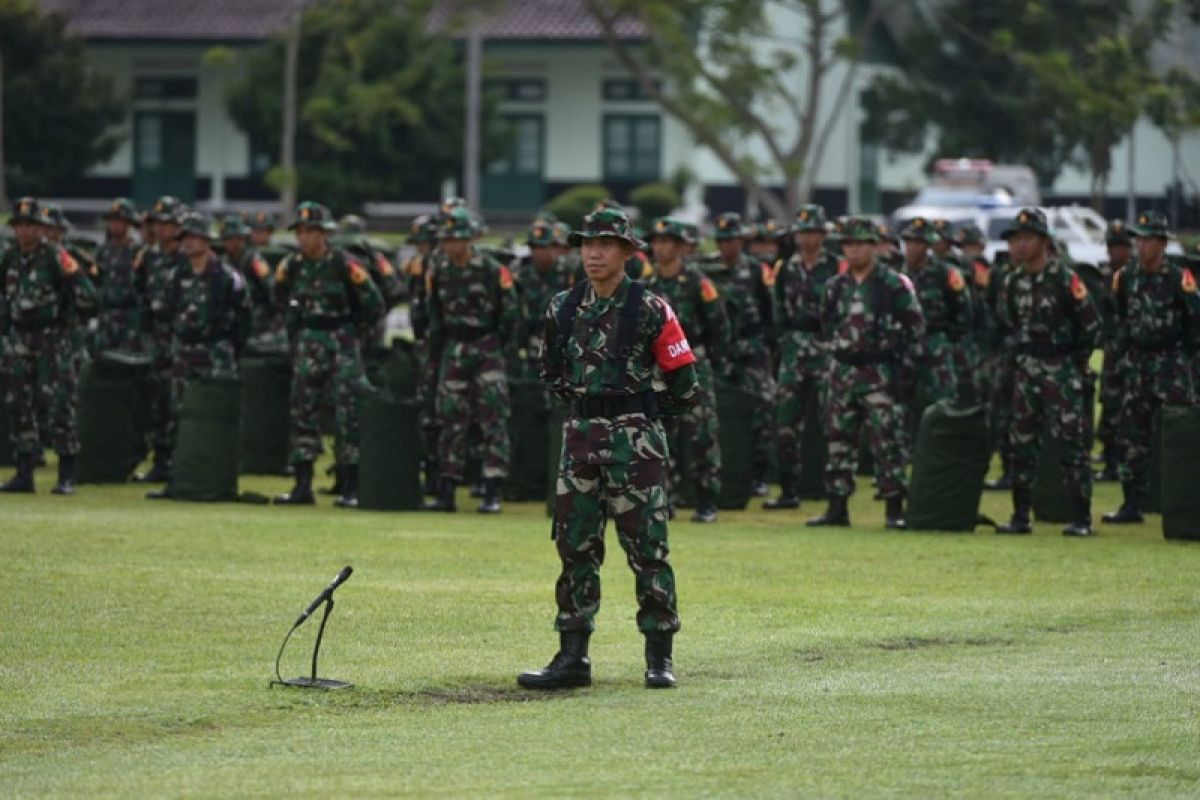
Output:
x,y
422,229
352,224
313,215
970,233
562,234
809,218
194,223
546,216
919,229
457,223
233,225
1152,224
669,227
450,203
691,233
888,234
1118,232
541,234
1028,219
729,226
767,231
859,229
263,221
121,208
26,209
942,229
612,223
53,216
167,208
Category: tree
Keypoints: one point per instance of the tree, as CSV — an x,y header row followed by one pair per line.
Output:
x,y
59,118
718,68
1173,105
379,98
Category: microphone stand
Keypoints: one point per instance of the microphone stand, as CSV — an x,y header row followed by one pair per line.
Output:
x,y
312,681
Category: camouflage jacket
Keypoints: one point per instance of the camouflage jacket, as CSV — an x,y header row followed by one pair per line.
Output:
x,y
871,326
697,302
209,306
578,363
418,305
123,281
466,303
536,289
945,300
1050,314
333,293
42,288
1157,311
798,296
389,283
746,289
256,272
159,268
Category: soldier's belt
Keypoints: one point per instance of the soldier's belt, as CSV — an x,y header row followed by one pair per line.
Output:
x,y
35,325
467,333
1046,350
614,405
805,325
865,359
119,305
325,323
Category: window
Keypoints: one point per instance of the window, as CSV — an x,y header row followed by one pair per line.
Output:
x,y
164,88
624,89
632,146
524,90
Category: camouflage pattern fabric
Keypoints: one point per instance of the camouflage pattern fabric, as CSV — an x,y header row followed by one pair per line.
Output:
x,y
267,330
473,311
159,266
329,297
615,467
869,327
537,288
1054,327
999,366
946,303
120,325
427,362
39,290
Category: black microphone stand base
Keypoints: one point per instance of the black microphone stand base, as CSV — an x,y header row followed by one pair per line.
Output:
x,y
314,683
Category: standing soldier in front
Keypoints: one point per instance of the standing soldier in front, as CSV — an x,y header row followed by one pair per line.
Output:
x,y
473,312
608,341
41,285
1055,326
332,294
799,291
1158,327
696,303
870,321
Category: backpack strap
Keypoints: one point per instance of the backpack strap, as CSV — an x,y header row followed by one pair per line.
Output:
x,y
622,347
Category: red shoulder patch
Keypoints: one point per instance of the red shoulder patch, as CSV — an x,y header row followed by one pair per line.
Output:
x,y
506,278
708,290
843,266
383,265
261,270
954,280
358,275
1078,288
1188,284
68,265
983,275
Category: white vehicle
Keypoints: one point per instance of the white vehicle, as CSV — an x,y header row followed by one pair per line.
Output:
x,y
964,190
1080,227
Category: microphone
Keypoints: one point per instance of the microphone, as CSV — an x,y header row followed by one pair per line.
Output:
x,y
325,594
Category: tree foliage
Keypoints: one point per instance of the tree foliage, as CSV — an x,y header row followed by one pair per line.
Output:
x,y
59,117
380,98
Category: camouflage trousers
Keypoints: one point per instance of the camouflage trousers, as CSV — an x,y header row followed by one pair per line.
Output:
x,y
119,329
695,436
800,386
613,469
750,369
1149,380
189,362
326,361
937,376
42,385
158,387
1051,396
858,398
473,392
1001,385
1111,393
428,366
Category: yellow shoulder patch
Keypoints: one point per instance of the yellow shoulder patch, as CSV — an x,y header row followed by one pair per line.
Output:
x,y
281,271
983,275
1116,281
768,275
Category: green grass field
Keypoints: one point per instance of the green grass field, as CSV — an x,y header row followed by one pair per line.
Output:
x,y
137,639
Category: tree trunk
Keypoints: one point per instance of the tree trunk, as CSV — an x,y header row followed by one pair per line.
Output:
x,y
3,184
287,154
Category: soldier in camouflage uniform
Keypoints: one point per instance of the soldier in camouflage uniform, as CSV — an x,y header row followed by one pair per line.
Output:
x,y
696,301
745,283
540,276
609,344
944,370
422,236
266,332
870,322
1054,327
42,283
798,294
473,312
1158,328
120,323
158,265
210,309
353,237
1118,240
764,241
332,294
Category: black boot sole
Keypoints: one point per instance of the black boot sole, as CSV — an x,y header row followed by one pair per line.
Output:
x,y
529,680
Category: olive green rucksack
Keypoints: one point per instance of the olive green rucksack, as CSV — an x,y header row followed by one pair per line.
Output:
x,y
529,436
111,441
390,455
7,456
266,415
950,461
1178,465
207,445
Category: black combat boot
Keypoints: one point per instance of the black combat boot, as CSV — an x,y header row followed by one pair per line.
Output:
x,y
706,507
1109,473
337,472
302,492
162,493
160,470
1130,512
445,497
491,497
787,498
66,475
660,672
570,666
893,516
429,488
349,488
1022,505
477,490
837,514
759,487
23,480
1082,524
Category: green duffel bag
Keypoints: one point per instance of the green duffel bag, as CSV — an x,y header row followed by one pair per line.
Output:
x,y
111,438
736,409
950,461
7,455
206,447
529,439
813,453
1179,463
1152,502
1050,501
266,415
389,467
399,374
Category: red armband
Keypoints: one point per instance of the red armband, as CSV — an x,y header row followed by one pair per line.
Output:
x,y
671,348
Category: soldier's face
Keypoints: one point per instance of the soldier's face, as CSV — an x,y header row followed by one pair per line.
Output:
x,y
234,245
1151,248
117,228
261,236
542,257
193,246
972,250
1027,246
456,249
730,249
666,248
313,241
1118,255
915,251
859,254
27,234
810,241
604,257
